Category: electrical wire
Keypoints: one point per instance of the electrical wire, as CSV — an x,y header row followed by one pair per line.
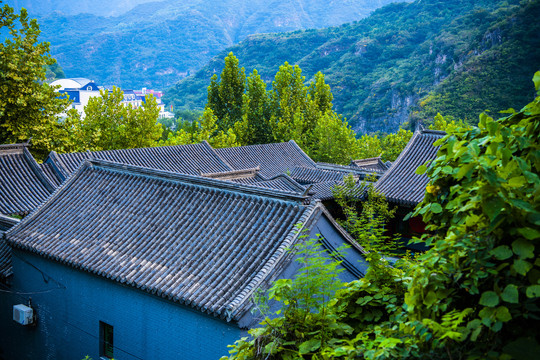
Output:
x,y
60,286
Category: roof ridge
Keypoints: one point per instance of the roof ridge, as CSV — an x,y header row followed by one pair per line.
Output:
x,y
249,172
66,184
287,178
211,148
12,148
269,270
58,165
435,132
302,152
197,180
338,167
38,170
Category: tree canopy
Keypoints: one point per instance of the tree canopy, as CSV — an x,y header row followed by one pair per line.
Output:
x,y
248,113
109,124
28,106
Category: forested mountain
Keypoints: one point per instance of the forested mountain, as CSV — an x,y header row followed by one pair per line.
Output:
x,y
405,62
70,7
158,43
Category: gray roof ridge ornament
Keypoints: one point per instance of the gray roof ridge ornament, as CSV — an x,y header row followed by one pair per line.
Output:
x,y
307,190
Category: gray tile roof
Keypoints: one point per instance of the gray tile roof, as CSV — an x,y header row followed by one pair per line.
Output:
x,y
355,170
323,190
306,175
52,175
184,159
400,184
374,164
201,242
281,182
23,185
5,251
273,159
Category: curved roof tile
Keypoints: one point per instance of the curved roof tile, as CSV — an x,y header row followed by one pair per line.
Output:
x,y
400,184
23,184
201,242
273,159
184,159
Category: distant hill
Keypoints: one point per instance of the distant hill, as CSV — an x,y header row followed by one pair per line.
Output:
x,y
155,44
71,7
405,62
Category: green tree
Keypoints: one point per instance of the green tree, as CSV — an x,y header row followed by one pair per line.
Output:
x,y
205,129
320,93
447,123
288,100
387,146
366,213
29,107
333,140
225,97
394,143
109,124
255,126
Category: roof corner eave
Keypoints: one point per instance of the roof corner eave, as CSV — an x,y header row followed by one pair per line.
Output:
x,y
271,270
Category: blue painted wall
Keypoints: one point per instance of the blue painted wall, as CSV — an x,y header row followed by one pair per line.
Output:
x,y
70,304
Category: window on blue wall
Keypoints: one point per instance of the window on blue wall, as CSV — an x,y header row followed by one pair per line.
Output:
x,y
106,344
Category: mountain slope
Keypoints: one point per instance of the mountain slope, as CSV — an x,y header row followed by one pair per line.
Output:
x,y
157,43
70,7
381,67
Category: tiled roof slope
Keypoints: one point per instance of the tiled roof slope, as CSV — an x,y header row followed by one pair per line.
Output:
x,y
400,184
273,159
305,175
355,170
51,174
23,185
375,164
201,242
5,251
323,190
184,159
281,182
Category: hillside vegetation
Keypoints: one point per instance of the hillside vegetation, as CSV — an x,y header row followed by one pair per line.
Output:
x,y
158,43
405,62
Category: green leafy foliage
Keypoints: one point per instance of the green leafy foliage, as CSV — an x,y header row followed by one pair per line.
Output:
x,y
475,293
108,124
306,321
28,106
365,220
489,208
